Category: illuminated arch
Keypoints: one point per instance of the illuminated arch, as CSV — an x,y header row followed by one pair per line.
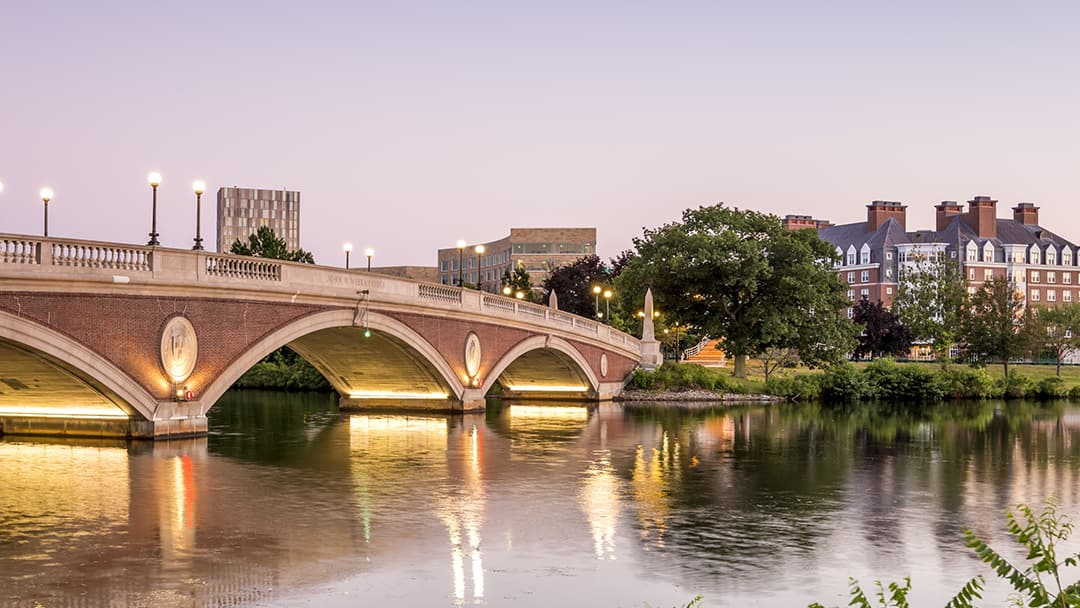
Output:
x,y
76,360
551,343
343,318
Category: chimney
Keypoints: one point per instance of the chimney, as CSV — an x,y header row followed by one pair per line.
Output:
x,y
982,216
946,210
879,212
1026,213
824,224
799,222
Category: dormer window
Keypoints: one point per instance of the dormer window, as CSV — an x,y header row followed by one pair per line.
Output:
x,y
972,252
851,255
1034,255
1051,255
864,255
1066,256
988,252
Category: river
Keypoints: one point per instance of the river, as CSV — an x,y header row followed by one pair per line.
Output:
x,y
290,503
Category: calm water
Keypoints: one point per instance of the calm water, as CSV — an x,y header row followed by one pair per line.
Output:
x,y
289,503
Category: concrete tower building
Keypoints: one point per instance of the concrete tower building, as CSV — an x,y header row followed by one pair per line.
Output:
x,y
241,211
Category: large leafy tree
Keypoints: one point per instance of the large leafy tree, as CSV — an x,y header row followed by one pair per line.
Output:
x,y
996,326
883,333
740,276
519,281
265,243
931,299
573,284
1058,330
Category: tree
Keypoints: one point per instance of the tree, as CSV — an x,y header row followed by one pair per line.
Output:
x,y
573,284
264,243
740,276
996,324
883,333
931,298
518,281
1058,330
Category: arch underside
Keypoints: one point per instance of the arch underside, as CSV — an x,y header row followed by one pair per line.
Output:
x,y
33,383
546,372
380,366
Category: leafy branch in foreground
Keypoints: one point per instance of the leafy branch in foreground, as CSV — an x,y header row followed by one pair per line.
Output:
x,y
894,595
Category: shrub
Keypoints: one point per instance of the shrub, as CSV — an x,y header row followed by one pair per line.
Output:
x,y
642,380
1015,386
844,383
1074,392
966,383
1051,388
804,387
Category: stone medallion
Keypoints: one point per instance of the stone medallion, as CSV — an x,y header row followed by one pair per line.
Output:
x,y
472,354
179,349
603,365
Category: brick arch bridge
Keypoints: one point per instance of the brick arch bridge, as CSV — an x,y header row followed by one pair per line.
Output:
x,y
83,350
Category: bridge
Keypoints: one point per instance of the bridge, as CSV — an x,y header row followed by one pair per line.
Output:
x,y
111,339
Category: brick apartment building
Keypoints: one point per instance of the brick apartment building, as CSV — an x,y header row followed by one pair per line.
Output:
x,y
875,254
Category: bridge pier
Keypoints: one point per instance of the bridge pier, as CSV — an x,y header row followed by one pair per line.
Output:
x,y
472,400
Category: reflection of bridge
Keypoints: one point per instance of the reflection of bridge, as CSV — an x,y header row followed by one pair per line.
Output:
x,y
111,339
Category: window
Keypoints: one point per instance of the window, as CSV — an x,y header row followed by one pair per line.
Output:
x,y
1035,276
864,255
1051,277
1066,278
971,274
1066,295
888,273
1051,255
850,313
864,294
988,274
1035,295
865,276
850,277
988,252
888,255
1051,295
442,278
888,290
851,256
453,264
851,294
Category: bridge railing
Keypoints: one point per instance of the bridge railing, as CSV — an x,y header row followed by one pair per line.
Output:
x,y
73,260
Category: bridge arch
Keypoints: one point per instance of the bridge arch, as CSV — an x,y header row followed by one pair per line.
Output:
x,y
294,334
73,362
567,365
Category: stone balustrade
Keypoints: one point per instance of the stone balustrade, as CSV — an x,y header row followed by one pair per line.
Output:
x,y
70,260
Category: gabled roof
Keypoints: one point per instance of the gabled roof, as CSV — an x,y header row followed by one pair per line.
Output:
x,y
846,235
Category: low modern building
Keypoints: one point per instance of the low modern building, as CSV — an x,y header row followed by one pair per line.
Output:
x,y
538,250
241,211
874,254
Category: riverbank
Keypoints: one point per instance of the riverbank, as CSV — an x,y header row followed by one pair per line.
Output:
x,y
695,396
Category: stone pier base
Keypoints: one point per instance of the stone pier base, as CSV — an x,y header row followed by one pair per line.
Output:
x,y
472,401
124,428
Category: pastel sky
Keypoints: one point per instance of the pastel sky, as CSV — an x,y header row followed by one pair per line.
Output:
x,y
408,125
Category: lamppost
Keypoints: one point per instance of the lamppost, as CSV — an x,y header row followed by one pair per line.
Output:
x,y
596,293
199,187
520,295
369,252
46,196
348,250
607,304
507,290
155,181
479,277
460,261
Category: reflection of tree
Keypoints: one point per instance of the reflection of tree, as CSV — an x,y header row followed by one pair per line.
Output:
x,y
280,429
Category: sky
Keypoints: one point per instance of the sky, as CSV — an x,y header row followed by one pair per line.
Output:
x,y
409,125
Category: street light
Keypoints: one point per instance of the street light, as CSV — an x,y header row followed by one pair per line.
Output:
x,y
155,181
520,295
479,279
460,261
46,196
607,304
596,292
507,290
348,250
369,252
199,187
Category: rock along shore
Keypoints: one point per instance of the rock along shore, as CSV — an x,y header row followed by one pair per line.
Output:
x,y
695,396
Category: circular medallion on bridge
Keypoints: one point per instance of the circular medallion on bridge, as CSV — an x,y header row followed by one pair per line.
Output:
x,y
603,365
472,354
179,348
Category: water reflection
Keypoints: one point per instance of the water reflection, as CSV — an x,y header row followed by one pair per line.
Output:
x,y
289,501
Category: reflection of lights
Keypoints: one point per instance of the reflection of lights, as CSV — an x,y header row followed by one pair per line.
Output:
x,y
65,411
395,395
397,423
549,411
600,501
462,514
539,388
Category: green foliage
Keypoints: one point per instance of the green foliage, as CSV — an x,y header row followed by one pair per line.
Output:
x,y
1051,388
283,370
894,595
1038,582
264,243
845,383
883,334
677,377
740,276
519,281
966,383
931,298
997,326
1074,392
573,284
898,383
1057,330
1014,385
802,387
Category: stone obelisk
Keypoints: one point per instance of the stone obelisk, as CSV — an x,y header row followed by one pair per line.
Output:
x,y
651,357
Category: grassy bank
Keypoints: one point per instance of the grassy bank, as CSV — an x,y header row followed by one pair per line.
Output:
x,y
880,380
